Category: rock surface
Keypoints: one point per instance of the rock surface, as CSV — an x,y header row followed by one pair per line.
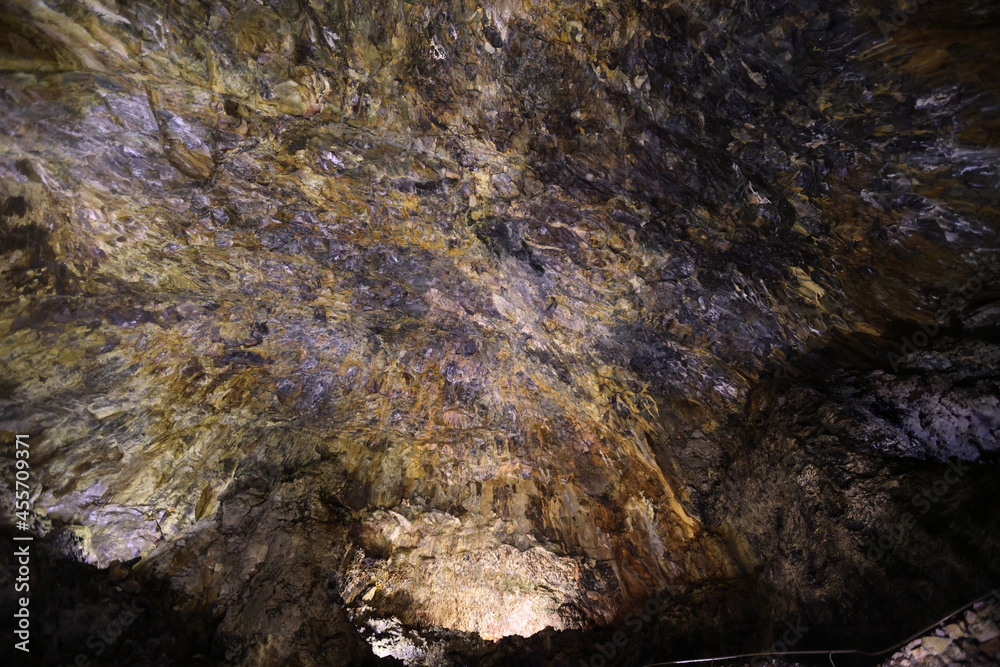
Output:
x,y
968,638
452,322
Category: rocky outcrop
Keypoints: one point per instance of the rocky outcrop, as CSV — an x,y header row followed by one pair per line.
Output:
x,y
455,322
967,638
868,489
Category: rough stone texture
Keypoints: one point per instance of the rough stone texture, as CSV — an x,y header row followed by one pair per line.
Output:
x,y
827,501
452,321
969,638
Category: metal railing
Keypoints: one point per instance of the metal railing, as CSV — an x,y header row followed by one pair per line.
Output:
x,y
830,652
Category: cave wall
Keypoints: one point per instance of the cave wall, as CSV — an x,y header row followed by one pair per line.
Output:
x,y
465,314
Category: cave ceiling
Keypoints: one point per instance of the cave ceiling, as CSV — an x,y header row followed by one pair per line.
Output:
x,y
491,317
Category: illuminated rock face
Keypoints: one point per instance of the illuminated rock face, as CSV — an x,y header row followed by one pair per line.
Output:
x,y
467,316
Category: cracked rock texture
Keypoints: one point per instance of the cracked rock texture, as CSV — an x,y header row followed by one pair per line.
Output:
x,y
450,332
